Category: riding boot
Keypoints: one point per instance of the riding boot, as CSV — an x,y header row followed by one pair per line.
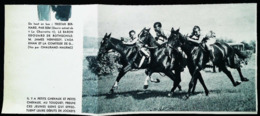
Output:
x,y
181,61
141,62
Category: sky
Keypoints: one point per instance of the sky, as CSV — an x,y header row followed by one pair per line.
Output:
x,y
232,21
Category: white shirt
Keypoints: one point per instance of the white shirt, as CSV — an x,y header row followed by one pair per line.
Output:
x,y
165,33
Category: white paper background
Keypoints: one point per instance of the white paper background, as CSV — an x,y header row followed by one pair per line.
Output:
x,y
41,72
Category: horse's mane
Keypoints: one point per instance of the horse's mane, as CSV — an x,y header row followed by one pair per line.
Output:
x,y
182,38
115,40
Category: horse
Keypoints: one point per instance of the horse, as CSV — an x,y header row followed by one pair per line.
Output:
x,y
160,62
223,56
187,47
243,61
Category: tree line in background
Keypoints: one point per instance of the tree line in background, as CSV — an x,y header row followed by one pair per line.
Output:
x,y
247,45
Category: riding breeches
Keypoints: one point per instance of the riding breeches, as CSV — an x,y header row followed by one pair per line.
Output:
x,y
145,52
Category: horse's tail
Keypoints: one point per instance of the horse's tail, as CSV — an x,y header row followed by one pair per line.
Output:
x,y
240,54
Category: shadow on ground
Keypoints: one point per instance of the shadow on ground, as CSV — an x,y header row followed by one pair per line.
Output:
x,y
144,94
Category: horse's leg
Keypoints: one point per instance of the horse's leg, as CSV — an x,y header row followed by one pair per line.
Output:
x,y
202,83
154,80
219,70
191,68
179,87
195,83
120,75
175,79
241,76
148,77
227,72
192,81
147,71
178,74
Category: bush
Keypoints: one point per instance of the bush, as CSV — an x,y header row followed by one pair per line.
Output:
x,y
109,64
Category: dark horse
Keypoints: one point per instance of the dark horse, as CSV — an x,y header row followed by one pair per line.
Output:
x,y
223,56
160,61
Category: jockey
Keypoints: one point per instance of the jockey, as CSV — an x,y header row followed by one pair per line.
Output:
x,y
195,35
139,44
133,39
206,42
162,37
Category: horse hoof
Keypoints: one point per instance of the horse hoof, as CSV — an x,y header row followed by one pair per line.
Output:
x,y
157,81
237,83
145,86
111,91
207,93
244,79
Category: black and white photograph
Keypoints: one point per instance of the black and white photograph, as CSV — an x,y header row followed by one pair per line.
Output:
x,y
170,59
129,58
54,12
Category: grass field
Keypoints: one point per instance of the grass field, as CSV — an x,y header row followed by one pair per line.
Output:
x,y
131,97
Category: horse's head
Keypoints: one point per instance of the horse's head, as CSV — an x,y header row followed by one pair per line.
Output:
x,y
104,46
144,33
146,37
174,38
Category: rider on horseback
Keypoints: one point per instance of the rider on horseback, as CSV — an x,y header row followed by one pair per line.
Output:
x,y
195,35
206,43
142,47
162,37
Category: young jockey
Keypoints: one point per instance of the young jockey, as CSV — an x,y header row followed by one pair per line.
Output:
x,y
195,35
206,42
162,37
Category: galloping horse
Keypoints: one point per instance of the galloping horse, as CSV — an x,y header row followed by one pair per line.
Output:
x,y
159,62
223,55
187,47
